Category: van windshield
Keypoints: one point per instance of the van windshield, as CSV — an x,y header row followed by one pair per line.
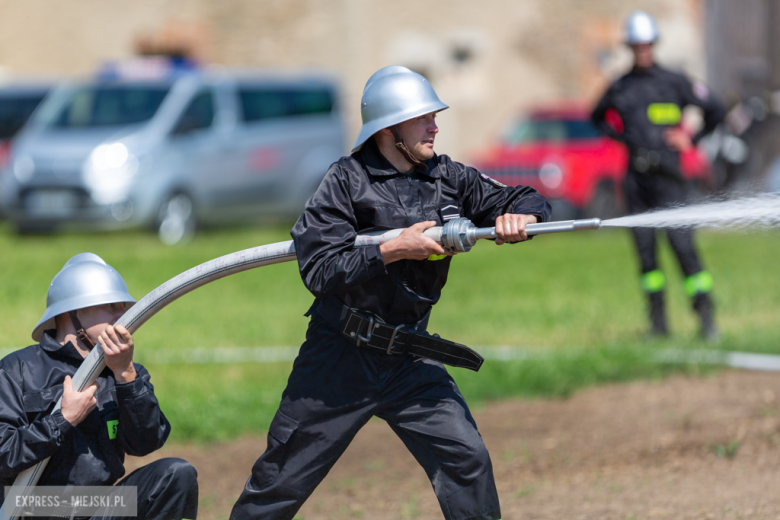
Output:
x,y
109,105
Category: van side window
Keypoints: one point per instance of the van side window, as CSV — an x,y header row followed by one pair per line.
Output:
x,y
260,103
198,115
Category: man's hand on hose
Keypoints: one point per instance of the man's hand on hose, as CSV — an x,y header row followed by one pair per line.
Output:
x,y
77,405
412,244
678,139
510,227
117,345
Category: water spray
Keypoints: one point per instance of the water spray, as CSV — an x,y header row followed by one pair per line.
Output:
x,y
759,212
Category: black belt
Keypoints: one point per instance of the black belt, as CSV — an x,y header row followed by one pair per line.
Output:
x,y
368,331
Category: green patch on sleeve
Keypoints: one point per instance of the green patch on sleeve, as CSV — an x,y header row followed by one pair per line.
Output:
x,y
664,113
113,426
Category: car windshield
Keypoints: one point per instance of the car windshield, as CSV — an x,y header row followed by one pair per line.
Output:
x,y
551,130
109,105
14,112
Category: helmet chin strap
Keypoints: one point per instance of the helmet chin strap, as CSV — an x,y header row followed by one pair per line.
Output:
x,y
81,334
401,147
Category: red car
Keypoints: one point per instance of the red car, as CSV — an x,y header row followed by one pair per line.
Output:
x,y
578,169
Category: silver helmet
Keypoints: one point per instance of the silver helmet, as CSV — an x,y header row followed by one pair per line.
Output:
x,y
84,281
393,95
640,28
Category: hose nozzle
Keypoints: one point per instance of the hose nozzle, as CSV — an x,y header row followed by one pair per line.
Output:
x,y
459,234
544,228
563,225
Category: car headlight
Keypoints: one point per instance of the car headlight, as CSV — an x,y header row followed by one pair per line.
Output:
x,y
113,159
551,175
23,168
108,170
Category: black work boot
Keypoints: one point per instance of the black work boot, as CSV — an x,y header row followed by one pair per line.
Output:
x,y
702,304
658,326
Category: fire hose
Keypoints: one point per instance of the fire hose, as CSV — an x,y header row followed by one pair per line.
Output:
x,y
457,236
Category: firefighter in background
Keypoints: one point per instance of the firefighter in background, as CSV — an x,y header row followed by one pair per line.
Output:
x,y
650,100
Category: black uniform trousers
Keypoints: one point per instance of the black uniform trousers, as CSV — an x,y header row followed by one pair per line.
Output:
x,y
656,189
167,490
334,389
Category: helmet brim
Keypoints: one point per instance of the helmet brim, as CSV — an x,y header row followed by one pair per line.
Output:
x,y
372,127
47,320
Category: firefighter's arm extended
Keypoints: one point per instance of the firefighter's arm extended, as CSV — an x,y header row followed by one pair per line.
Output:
x,y
510,209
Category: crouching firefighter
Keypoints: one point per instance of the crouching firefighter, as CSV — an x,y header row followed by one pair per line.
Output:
x,y
367,352
88,438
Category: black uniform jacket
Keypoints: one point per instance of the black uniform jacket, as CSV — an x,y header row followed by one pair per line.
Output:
x,y
92,453
650,101
363,193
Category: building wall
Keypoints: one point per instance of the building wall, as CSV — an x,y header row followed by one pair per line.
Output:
x,y
743,47
489,60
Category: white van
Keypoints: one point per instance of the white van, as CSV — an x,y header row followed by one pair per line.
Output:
x,y
190,147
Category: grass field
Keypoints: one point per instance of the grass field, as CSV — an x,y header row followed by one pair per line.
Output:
x,y
573,297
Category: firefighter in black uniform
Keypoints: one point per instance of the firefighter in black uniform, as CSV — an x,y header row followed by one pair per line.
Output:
x,y
366,352
649,100
88,437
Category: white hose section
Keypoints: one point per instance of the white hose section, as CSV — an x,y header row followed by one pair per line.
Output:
x,y
177,287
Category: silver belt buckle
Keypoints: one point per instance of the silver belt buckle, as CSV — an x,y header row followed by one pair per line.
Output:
x,y
369,330
392,338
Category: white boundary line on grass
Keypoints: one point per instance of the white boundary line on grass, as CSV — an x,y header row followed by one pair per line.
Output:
x,y
237,355
744,360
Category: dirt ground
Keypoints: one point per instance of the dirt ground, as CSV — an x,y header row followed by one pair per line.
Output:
x,y
681,448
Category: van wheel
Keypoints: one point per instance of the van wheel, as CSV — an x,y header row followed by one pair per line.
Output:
x,y
176,219
604,204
